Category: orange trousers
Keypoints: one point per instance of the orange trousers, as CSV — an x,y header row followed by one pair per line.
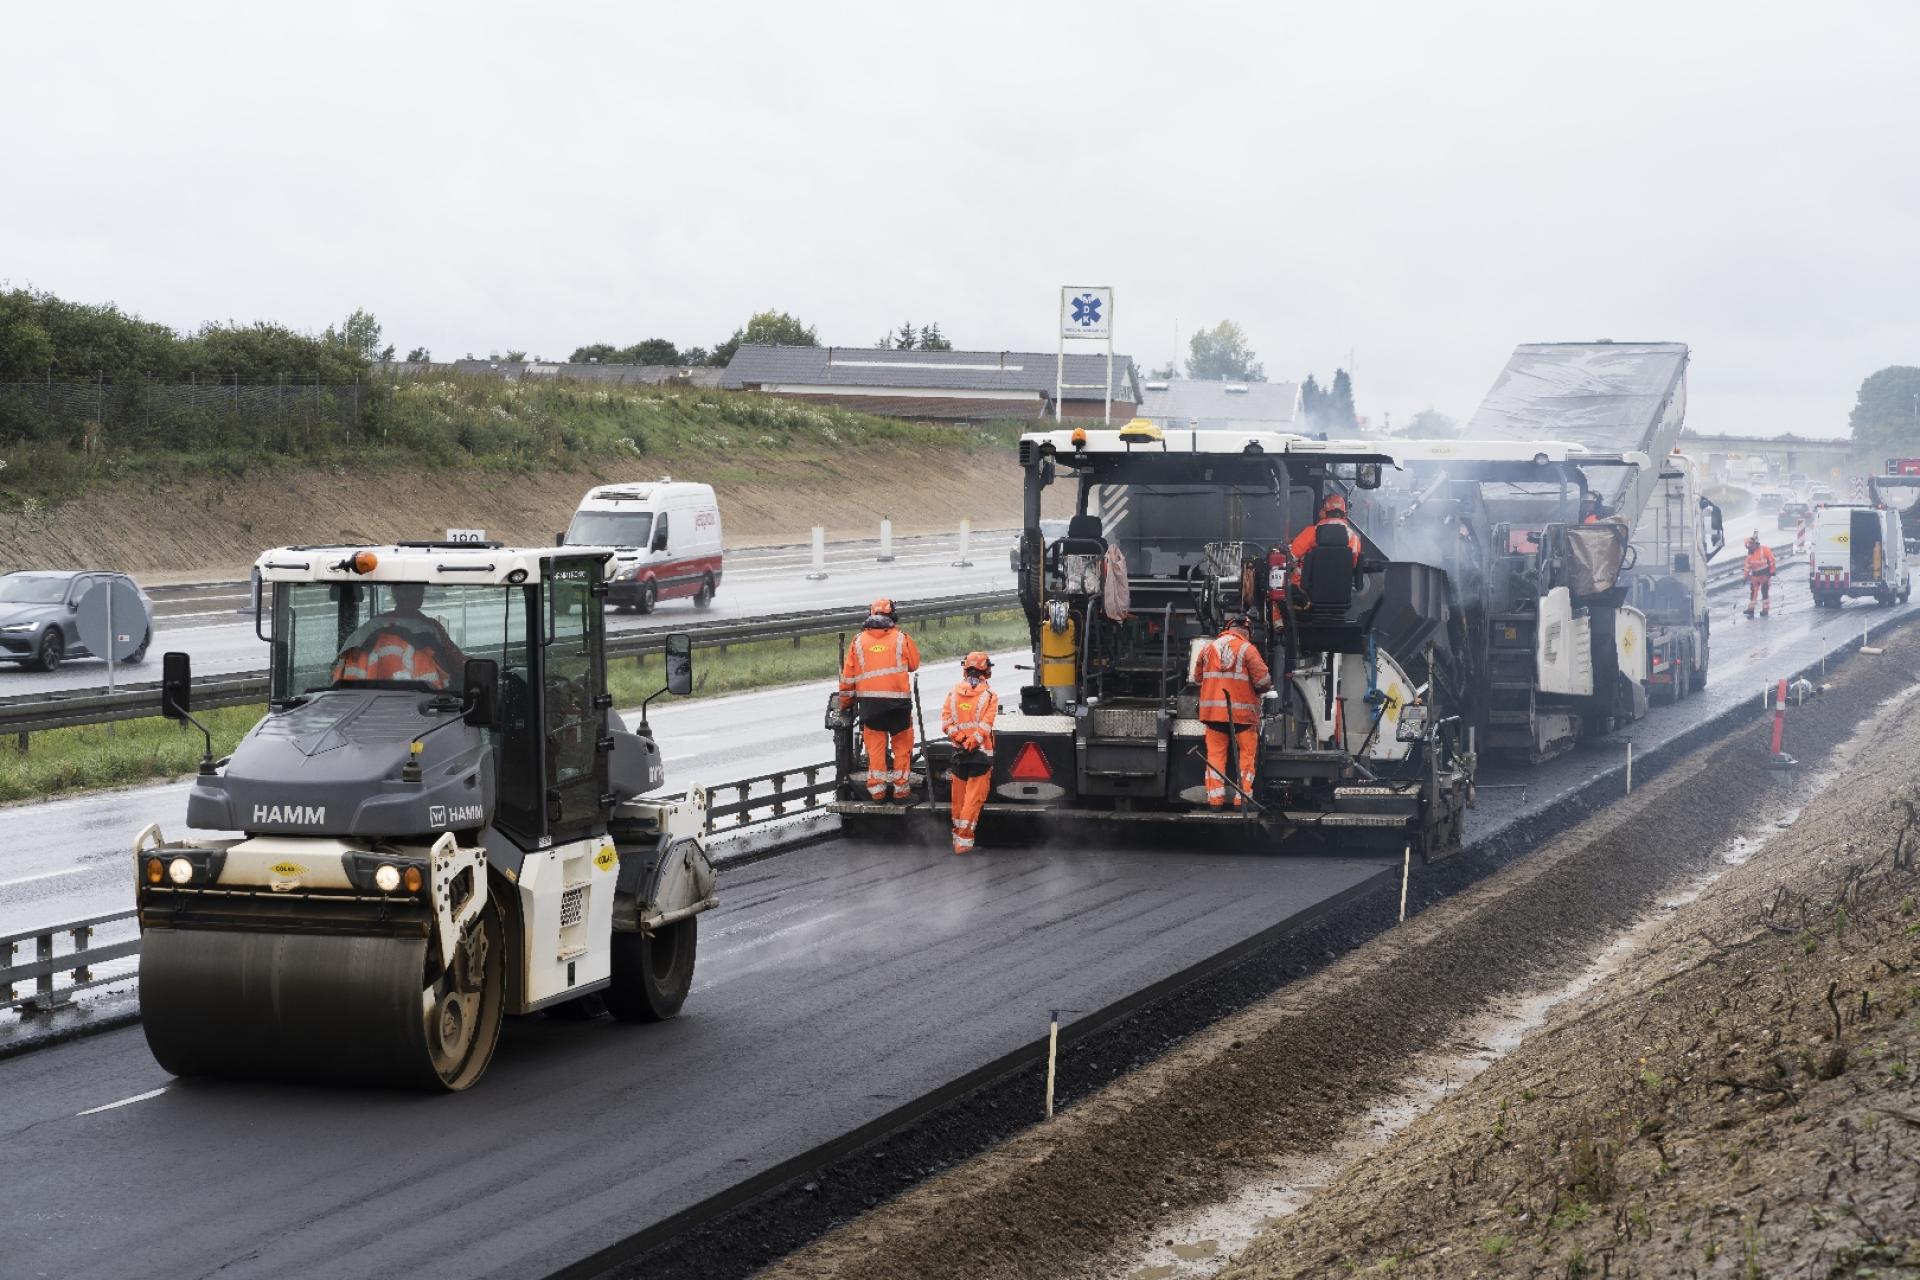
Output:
x,y
1248,736
1760,591
889,761
969,798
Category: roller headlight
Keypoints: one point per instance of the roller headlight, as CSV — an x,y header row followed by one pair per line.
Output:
x,y
388,878
414,879
156,871
180,871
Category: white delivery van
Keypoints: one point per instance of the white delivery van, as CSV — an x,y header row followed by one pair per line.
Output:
x,y
665,539
1857,550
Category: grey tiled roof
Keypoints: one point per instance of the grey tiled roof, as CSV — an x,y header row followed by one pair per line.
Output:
x,y
944,370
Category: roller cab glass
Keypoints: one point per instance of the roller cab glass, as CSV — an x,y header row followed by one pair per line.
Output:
x,y
624,529
340,635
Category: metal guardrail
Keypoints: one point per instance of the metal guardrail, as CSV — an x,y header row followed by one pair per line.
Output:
x,y
32,713
770,796
50,963
815,783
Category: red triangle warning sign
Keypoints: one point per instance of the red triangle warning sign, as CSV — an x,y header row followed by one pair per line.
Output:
x,y
1031,765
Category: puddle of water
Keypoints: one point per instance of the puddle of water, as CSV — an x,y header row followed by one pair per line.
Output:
x,y
1199,1245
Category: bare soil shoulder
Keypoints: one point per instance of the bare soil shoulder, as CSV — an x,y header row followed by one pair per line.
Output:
x,y
212,528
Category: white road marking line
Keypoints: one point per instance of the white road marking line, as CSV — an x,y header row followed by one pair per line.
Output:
x,y
45,875
124,1102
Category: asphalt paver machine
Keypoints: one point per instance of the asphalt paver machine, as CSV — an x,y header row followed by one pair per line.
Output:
x,y
1175,532
452,832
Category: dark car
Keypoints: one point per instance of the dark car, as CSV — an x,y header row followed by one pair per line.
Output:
x,y
37,616
1793,513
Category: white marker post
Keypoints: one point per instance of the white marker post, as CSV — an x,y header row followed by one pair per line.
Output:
x,y
966,533
819,554
1629,768
1053,1053
886,541
1406,874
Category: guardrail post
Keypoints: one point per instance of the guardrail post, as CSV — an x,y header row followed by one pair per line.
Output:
x,y
779,790
11,946
20,741
43,985
81,937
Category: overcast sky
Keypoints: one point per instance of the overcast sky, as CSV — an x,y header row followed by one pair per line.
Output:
x,y
1421,184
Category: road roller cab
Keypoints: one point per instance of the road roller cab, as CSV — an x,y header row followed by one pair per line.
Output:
x,y
440,823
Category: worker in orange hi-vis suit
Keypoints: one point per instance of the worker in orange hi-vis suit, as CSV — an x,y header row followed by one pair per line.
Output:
x,y
1760,567
1333,509
403,644
876,684
1233,678
967,720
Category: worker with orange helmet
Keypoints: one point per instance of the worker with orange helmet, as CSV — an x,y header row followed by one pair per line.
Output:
x,y
1333,510
1759,568
403,644
1233,680
876,685
967,720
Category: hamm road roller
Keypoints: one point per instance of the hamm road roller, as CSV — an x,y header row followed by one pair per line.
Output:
x,y
440,821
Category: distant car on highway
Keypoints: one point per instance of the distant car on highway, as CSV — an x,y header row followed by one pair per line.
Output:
x,y
1792,513
1051,531
38,611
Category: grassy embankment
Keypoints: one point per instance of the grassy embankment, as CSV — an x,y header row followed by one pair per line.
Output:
x,y
450,421
89,756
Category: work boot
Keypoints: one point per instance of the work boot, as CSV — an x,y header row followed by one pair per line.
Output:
x,y
1749,611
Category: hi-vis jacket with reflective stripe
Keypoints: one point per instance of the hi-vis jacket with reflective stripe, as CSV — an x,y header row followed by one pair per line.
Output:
x,y
391,654
967,718
1232,675
880,664
1760,562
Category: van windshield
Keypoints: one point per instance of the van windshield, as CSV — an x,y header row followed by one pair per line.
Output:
x,y
610,529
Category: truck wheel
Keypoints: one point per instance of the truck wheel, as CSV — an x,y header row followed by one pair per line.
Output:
x,y
704,596
652,973
649,596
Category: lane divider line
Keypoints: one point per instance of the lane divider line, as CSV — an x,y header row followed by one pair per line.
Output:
x,y
124,1102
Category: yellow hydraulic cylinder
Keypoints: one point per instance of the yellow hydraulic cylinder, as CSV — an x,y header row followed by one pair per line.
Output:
x,y
1060,654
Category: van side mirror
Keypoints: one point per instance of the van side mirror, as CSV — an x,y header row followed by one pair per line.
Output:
x,y
560,538
1367,475
480,681
176,685
680,664
659,540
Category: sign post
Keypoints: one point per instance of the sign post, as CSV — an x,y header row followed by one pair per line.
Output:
x,y
1086,315
112,622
